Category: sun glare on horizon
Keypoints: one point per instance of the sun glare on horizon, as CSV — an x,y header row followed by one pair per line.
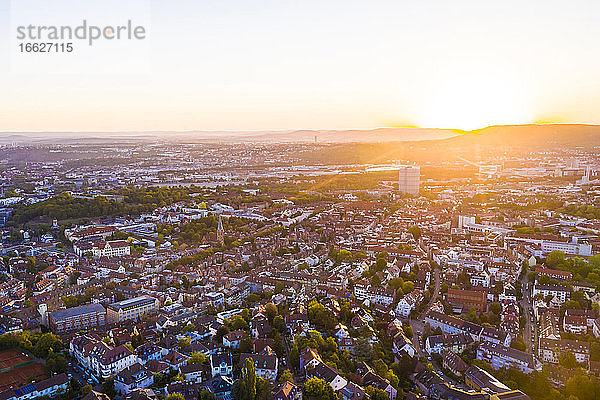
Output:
x,y
473,101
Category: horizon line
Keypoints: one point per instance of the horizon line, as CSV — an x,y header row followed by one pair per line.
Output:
x,y
291,130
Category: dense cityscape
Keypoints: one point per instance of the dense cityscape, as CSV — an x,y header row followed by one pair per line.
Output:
x,y
157,269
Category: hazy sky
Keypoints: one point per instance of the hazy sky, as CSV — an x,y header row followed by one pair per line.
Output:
x,y
225,64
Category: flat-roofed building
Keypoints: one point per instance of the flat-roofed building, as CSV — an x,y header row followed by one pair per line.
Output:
x,y
76,318
408,179
131,308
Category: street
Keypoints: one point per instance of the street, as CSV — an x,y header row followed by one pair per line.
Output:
x,y
417,324
525,303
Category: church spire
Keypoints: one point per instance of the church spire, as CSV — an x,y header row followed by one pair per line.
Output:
x,y
220,233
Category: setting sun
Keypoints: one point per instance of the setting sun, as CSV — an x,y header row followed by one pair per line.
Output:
x,y
473,101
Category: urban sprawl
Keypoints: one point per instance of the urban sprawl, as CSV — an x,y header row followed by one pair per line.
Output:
x,y
253,272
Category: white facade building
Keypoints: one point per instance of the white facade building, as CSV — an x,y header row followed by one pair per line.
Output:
x,y
409,177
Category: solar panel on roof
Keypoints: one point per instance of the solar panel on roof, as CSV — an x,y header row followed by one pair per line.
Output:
x,y
28,388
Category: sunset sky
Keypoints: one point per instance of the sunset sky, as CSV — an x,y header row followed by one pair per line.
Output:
x,y
236,65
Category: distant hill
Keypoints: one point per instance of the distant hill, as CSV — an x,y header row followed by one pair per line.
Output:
x,y
534,136
550,135
362,135
490,141
306,136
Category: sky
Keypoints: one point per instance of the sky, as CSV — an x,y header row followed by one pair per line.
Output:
x,y
273,65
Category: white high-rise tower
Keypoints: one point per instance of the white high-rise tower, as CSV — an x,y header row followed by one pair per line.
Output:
x,y
408,179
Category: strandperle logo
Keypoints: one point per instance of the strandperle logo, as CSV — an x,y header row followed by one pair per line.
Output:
x,y
85,31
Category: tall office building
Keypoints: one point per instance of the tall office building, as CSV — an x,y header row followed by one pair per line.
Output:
x,y
408,179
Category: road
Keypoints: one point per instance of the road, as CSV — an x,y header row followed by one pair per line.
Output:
x,y
525,303
436,292
418,324
81,376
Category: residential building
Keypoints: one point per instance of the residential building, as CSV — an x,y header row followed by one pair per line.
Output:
x,y
457,343
550,350
131,309
99,358
133,377
265,364
500,356
408,303
47,387
561,293
77,318
192,372
221,364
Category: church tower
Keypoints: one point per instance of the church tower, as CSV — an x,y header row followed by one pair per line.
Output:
x,y
220,233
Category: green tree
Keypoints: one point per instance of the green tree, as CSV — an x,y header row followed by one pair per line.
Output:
x,y
380,264
184,342
73,277
175,396
518,343
376,393
496,308
197,358
286,376
318,389
444,287
408,287
395,283
567,359
555,258
345,254
137,340
263,389
86,389
363,348
375,281
581,387
320,316
246,344
108,388
70,301
294,356
271,311
394,380
47,343
595,351
55,363
248,381
206,395
252,298
238,323
278,344
531,276
279,323
415,231
221,331
345,311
